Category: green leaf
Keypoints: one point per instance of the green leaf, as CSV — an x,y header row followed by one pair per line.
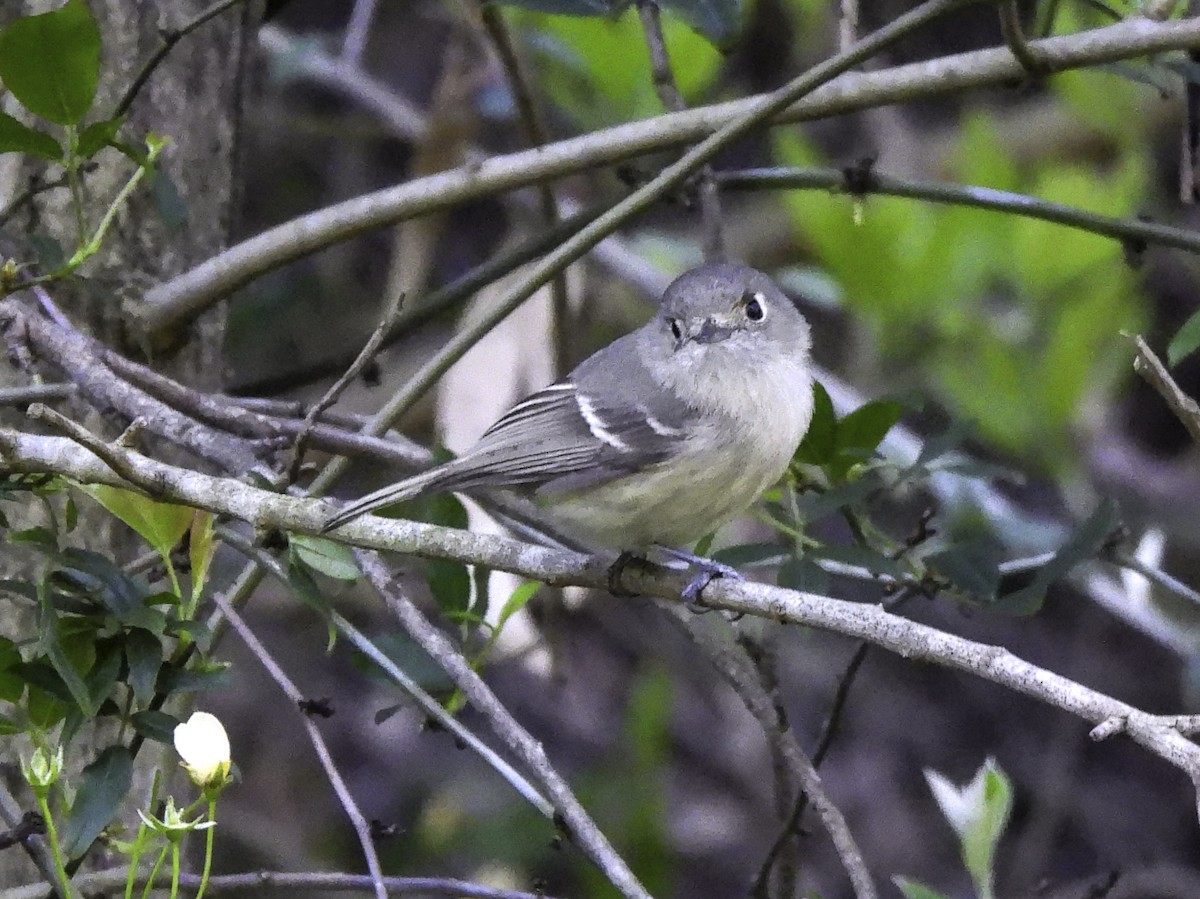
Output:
x,y
804,575
865,427
450,583
914,890
154,725
162,525
1082,545
51,62
752,555
820,440
335,560
718,20
201,548
143,654
98,135
973,566
103,579
103,786
101,680
17,137
168,201
191,680
1186,340
50,644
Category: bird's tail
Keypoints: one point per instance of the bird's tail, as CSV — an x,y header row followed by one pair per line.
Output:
x,y
385,496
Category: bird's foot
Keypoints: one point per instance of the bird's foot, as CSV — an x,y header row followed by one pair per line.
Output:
x,y
704,572
617,570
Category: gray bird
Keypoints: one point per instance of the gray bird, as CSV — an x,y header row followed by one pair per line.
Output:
x,y
663,435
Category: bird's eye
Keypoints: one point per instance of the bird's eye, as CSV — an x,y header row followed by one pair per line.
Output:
x,y
676,331
753,304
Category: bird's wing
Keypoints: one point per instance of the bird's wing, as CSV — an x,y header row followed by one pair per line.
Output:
x,y
562,436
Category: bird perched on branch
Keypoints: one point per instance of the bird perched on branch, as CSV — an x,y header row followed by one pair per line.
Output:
x,y
660,437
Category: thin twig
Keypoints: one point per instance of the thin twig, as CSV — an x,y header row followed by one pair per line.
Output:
x,y
1134,231
570,815
36,187
535,136
190,293
432,709
1154,373
113,457
357,29
1014,36
170,38
374,342
35,847
672,100
362,827
738,671
257,882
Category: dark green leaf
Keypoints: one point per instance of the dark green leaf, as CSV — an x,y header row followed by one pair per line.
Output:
x,y
51,62
154,725
804,575
70,514
10,726
865,427
143,653
718,20
446,509
43,538
821,438
913,889
17,137
814,506
190,680
98,135
46,710
450,584
1084,544
99,576
751,555
49,251
52,647
1186,340
971,566
306,589
334,560
101,680
103,786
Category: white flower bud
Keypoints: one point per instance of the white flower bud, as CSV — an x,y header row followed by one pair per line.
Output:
x,y
204,747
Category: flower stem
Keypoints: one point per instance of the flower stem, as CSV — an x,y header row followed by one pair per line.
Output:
x,y
208,848
64,881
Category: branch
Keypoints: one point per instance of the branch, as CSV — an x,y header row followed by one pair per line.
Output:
x,y
79,358
559,567
1135,232
180,299
570,815
738,672
362,827
1154,373
286,881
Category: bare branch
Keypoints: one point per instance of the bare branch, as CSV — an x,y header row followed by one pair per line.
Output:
x,y
570,815
362,827
1154,373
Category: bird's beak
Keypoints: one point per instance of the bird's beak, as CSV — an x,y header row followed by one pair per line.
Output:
x,y
710,330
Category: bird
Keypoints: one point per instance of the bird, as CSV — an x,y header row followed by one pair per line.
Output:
x,y
659,438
